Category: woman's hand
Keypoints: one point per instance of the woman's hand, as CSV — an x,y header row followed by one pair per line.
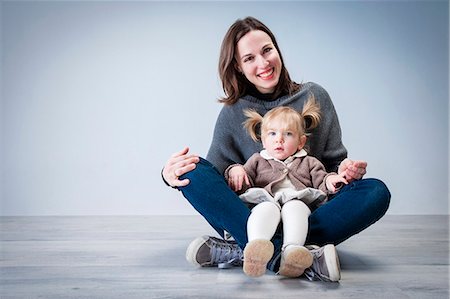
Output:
x,y
177,165
236,176
352,170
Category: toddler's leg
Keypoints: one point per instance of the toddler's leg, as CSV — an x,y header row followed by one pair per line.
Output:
x,y
295,257
261,226
263,221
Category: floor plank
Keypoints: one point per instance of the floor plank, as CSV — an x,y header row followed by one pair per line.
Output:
x,y
143,257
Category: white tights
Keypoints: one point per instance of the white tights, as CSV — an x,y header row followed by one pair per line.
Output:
x,y
266,216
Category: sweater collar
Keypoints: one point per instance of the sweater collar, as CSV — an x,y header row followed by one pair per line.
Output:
x,y
269,104
299,154
266,97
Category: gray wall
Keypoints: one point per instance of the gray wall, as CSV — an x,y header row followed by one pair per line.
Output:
x,y
97,95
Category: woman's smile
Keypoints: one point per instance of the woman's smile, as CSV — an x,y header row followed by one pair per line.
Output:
x,y
268,74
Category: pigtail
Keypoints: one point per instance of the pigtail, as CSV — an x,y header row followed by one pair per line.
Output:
x,y
252,123
311,114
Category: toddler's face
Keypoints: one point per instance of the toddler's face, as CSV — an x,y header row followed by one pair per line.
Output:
x,y
281,142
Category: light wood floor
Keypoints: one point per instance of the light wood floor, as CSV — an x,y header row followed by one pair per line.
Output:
x,y
143,257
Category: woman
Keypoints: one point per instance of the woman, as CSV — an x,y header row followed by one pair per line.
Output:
x,y
254,76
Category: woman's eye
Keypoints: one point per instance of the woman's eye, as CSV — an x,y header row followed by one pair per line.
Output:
x,y
249,58
267,50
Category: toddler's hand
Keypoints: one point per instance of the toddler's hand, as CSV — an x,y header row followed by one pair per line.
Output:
x,y
236,177
334,182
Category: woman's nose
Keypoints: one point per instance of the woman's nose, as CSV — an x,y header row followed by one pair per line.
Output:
x,y
262,61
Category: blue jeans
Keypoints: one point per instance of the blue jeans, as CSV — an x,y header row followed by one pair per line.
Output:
x,y
355,207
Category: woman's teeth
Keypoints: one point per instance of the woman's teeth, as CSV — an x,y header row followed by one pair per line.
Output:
x,y
266,74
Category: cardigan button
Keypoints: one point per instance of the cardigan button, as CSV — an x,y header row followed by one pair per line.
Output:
x,y
285,170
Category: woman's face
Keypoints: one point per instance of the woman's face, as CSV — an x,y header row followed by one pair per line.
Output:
x,y
258,60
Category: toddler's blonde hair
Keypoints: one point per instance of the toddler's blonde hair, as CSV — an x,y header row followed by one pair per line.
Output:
x,y
300,122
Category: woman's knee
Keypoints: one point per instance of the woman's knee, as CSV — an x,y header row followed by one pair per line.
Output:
x,y
202,172
378,196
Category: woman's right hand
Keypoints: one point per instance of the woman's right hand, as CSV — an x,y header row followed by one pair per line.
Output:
x,y
177,165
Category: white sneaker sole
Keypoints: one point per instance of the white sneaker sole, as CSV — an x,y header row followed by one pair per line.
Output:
x,y
191,251
332,261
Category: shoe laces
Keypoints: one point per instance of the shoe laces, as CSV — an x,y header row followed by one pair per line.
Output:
x,y
314,272
226,254
312,275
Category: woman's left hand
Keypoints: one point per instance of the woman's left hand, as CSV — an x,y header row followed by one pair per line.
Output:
x,y
352,170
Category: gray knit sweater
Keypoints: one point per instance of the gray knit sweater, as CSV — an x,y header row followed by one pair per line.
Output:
x,y
231,143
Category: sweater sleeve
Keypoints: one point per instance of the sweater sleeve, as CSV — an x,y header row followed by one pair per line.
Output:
x,y
225,147
251,167
318,174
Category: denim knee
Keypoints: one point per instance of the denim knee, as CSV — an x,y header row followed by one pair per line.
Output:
x,y
379,197
202,171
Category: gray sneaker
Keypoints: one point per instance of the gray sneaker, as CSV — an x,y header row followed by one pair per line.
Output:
x,y
207,251
325,265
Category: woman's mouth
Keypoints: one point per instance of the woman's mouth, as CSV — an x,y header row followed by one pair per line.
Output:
x,y
267,75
